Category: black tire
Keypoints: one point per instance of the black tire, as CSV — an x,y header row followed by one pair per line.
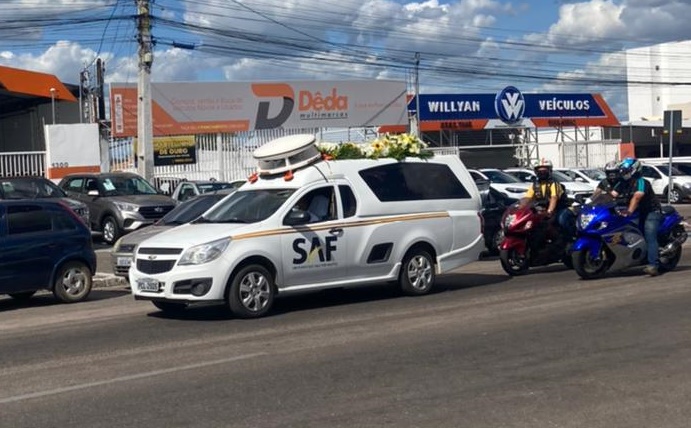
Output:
x,y
494,241
251,292
586,267
675,197
170,308
22,296
73,282
417,275
514,264
111,230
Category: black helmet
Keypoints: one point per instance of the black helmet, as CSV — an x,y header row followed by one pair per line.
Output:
x,y
612,172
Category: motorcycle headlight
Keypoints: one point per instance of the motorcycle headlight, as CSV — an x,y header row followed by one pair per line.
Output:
x,y
124,206
585,219
509,219
204,253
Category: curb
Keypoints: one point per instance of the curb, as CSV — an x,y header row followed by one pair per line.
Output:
x,y
105,280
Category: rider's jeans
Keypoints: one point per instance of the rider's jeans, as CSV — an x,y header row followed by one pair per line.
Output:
x,y
652,225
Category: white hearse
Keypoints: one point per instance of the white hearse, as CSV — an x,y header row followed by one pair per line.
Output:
x,y
305,223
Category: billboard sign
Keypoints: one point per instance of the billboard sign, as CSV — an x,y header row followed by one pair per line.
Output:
x,y
175,150
210,107
512,108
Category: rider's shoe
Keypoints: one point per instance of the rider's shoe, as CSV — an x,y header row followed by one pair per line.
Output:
x,y
651,270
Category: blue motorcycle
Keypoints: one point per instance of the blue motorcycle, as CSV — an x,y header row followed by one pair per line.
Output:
x,y
610,242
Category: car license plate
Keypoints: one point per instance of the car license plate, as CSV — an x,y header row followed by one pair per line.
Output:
x,y
148,284
124,261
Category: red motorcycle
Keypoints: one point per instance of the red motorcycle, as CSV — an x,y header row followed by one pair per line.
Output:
x,y
530,239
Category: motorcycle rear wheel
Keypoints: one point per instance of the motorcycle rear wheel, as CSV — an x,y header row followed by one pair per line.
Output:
x,y
588,268
514,263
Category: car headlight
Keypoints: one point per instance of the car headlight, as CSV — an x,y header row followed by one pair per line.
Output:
x,y
204,253
585,219
515,190
686,185
124,206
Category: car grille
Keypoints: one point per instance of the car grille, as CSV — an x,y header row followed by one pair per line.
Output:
x,y
152,267
122,270
155,213
160,251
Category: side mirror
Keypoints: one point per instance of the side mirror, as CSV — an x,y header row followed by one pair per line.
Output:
x,y
93,193
482,184
296,218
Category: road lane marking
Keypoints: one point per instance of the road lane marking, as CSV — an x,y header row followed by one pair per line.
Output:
x,y
137,376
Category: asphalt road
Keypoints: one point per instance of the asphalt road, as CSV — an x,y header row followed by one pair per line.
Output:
x,y
484,350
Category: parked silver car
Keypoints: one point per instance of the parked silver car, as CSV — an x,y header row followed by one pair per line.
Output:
x,y
123,251
118,202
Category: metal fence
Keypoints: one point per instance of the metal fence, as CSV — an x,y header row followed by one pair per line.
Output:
x,y
22,164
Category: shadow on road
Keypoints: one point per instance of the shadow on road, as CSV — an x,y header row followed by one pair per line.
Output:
x,y
45,298
336,297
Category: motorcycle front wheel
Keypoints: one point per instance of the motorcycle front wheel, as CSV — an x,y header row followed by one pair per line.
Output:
x,y
514,263
588,267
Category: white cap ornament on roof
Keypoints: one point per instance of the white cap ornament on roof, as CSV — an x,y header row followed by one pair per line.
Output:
x,y
286,154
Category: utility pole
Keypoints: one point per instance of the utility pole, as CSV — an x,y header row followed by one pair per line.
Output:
x,y
416,130
145,133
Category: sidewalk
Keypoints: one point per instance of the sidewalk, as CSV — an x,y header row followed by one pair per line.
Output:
x,y
103,280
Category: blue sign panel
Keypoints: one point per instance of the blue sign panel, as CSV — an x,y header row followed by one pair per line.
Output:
x,y
509,105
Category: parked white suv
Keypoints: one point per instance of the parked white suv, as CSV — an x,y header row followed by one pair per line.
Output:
x,y
500,181
658,177
304,223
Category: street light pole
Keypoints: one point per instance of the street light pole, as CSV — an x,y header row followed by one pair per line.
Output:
x,y
52,102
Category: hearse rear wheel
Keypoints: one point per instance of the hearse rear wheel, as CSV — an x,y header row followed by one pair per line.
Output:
x,y
417,274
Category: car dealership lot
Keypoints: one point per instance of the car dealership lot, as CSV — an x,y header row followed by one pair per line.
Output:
x,y
546,349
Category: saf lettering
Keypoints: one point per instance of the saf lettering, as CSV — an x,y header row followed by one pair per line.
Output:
x,y
324,250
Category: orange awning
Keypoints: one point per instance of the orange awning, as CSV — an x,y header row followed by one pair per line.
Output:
x,y
25,82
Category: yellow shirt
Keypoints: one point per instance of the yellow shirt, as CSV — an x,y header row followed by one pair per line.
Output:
x,y
554,190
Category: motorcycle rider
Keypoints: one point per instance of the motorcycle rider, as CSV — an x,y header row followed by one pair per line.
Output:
x,y
606,185
639,195
545,190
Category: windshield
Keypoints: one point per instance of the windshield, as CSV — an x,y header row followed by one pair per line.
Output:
x,y
30,188
247,206
561,177
685,168
594,174
190,210
127,185
500,177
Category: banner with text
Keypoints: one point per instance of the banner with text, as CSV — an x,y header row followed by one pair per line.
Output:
x,y
184,108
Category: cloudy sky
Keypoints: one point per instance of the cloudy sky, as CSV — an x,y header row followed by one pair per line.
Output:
x,y
464,46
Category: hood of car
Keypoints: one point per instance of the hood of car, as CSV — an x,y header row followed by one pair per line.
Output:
x,y
576,186
139,235
189,235
143,200
73,204
511,188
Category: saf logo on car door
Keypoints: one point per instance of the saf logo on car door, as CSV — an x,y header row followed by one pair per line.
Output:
x,y
314,252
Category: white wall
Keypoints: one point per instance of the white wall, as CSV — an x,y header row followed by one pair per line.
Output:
x,y
663,63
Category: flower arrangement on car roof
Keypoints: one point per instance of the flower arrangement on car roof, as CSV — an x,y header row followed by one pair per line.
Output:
x,y
396,146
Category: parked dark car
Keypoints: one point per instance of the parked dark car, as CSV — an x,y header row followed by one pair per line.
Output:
x,y
494,203
118,202
123,250
39,188
44,245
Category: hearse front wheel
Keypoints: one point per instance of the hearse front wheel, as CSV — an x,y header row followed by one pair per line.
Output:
x,y
251,293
